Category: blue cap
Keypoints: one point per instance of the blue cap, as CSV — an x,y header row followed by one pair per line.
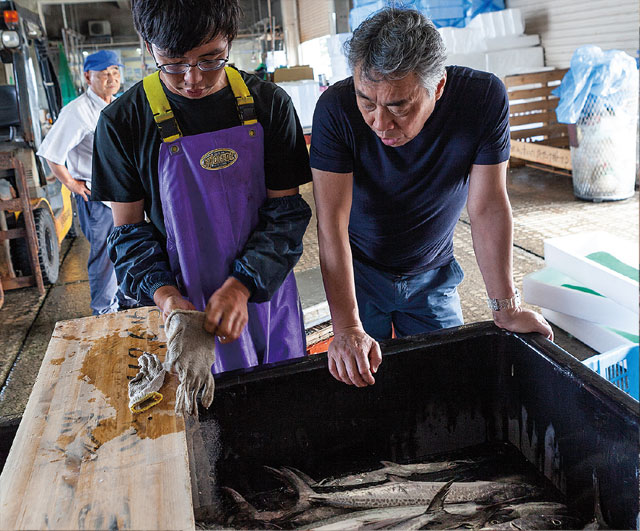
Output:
x,y
101,60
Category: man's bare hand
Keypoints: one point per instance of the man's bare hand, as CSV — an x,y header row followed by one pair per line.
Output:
x,y
79,187
523,321
354,357
226,313
169,298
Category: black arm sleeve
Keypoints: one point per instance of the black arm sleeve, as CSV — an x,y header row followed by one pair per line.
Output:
x,y
140,261
274,248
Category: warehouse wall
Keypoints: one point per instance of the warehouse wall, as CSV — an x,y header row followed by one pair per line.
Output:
x,y
564,25
314,18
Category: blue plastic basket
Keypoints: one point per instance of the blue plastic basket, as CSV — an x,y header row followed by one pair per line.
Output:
x,y
620,367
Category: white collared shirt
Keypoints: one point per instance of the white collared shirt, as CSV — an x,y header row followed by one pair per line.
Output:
x,y
70,140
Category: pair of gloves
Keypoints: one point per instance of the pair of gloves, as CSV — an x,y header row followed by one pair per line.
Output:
x,y
190,354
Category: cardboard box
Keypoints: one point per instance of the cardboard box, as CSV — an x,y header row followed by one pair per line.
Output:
x,y
293,73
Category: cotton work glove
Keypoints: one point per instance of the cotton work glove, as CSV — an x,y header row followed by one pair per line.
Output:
x,y
190,354
143,389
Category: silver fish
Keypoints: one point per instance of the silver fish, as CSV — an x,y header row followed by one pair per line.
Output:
x,y
388,467
507,512
437,517
313,515
248,512
397,493
540,521
358,519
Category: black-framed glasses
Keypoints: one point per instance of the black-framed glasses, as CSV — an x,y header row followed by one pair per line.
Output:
x,y
206,65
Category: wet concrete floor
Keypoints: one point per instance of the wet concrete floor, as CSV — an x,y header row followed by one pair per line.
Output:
x,y
543,206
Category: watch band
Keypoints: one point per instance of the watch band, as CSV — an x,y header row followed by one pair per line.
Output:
x,y
505,304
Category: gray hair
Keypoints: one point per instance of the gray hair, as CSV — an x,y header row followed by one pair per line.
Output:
x,y
393,43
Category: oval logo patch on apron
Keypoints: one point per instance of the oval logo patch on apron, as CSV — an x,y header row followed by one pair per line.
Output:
x,y
218,159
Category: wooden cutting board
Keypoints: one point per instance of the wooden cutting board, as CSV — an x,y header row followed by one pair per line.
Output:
x,y
80,458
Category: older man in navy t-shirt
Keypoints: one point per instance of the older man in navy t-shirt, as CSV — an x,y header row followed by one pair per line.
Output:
x,y
396,151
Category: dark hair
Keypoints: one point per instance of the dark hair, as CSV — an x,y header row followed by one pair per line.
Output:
x,y
393,43
177,26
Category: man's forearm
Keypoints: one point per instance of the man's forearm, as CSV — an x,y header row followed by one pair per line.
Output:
x,y
337,274
139,260
61,173
492,234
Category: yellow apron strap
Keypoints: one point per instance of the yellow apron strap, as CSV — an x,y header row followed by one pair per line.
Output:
x,y
244,100
162,113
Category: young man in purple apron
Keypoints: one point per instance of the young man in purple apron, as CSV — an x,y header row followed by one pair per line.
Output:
x,y
214,158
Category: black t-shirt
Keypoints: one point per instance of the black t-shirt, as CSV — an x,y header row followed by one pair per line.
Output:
x,y
126,146
407,200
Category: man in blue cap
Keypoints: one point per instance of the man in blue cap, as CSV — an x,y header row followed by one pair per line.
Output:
x,y
68,149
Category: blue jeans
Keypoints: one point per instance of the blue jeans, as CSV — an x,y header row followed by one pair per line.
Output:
x,y
96,222
412,304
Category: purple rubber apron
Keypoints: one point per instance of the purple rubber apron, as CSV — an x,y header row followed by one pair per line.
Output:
x,y
211,187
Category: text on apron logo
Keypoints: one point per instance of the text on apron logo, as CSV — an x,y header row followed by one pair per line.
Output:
x,y
218,159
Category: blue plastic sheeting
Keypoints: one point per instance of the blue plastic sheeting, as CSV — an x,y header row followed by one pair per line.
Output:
x,y
358,14
485,6
594,73
362,3
446,12
454,13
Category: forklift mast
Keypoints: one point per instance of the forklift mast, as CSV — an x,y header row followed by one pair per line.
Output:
x,y
31,48
30,102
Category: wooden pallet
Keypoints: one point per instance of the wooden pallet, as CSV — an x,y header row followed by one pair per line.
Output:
x,y
80,458
536,136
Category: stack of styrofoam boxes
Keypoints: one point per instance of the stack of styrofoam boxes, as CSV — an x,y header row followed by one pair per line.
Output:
x,y
494,42
589,288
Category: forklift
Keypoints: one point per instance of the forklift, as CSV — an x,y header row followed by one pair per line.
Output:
x,y
36,211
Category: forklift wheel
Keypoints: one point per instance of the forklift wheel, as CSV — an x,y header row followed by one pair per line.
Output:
x,y
48,250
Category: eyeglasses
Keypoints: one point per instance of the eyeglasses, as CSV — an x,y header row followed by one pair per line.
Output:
x,y
206,65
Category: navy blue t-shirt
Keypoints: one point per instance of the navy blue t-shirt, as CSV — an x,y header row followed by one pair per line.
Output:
x,y
408,199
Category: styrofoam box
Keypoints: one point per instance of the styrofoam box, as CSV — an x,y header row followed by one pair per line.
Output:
x,y
511,41
516,61
599,337
568,254
462,40
472,60
552,289
499,23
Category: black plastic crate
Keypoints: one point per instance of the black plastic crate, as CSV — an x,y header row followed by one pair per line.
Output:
x,y
435,393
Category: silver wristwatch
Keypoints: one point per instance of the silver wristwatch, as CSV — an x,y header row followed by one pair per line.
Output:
x,y
505,304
